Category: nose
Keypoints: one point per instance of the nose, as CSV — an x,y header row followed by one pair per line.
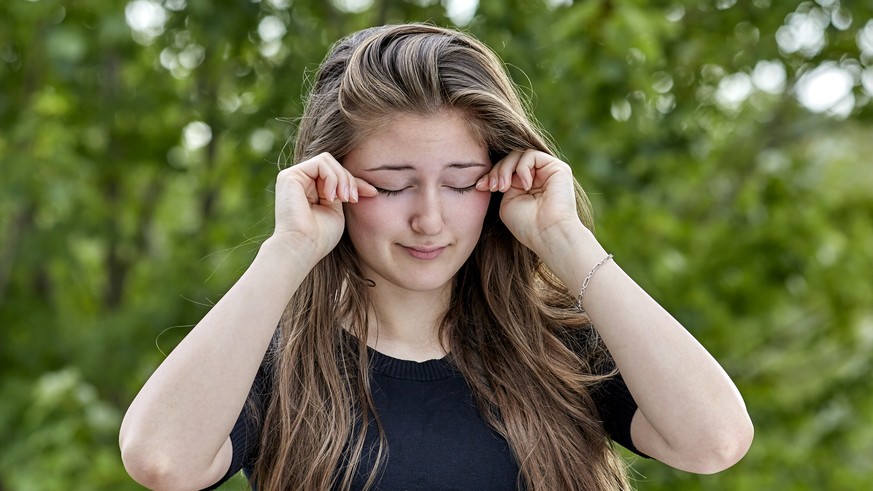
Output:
x,y
427,217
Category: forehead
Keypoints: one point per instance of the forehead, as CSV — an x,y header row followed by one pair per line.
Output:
x,y
418,143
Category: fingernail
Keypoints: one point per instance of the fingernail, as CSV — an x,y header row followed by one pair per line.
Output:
x,y
346,194
493,185
354,195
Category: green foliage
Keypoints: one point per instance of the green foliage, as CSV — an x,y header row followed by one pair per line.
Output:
x,y
138,160
66,432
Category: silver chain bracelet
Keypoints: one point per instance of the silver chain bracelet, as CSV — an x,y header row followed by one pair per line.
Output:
x,y
588,280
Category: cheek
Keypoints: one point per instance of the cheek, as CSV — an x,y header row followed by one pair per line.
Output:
x,y
365,219
472,208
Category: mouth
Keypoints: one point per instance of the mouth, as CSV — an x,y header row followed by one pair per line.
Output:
x,y
421,252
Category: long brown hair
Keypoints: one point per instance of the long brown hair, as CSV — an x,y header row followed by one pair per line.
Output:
x,y
510,328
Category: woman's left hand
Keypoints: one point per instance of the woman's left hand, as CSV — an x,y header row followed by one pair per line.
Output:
x,y
539,197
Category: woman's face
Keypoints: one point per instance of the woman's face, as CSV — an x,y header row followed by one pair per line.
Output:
x,y
421,228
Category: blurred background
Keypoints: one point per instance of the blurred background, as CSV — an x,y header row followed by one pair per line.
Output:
x,y
726,146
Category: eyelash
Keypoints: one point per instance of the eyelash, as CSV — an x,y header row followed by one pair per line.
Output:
x,y
463,190
390,192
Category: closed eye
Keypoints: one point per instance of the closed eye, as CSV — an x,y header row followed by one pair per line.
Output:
x,y
389,192
463,190
395,192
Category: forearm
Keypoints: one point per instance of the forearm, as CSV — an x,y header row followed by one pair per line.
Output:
x,y
187,408
680,388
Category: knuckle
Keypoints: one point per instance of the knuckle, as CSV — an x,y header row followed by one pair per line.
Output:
x,y
285,174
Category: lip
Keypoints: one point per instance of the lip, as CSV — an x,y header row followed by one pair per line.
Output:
x,y
424,252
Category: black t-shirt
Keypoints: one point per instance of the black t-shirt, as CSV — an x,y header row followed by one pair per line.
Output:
x,y
436,436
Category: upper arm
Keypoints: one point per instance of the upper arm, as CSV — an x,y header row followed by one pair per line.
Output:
x,y
241,448
220,467
647,439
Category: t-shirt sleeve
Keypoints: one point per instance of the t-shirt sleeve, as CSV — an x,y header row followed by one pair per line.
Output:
x,y
616,407
245,435
614,403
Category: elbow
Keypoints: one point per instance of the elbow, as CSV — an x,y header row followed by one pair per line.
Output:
x,y
725,449
153,470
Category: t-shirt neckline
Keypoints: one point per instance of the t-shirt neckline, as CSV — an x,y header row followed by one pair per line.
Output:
x,y
422,371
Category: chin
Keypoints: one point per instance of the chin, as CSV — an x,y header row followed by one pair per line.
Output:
x,y
425,287
422,283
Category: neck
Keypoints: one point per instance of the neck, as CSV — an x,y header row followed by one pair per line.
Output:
x,y
405,324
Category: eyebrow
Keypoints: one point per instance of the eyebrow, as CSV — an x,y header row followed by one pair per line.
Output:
x,y
404,167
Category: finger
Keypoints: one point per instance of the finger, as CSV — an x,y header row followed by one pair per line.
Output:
x,y
363,188
318,175
543,165
335,179
507,168
482,183
340,183
343,186
526,168
291,177
492,180
327,181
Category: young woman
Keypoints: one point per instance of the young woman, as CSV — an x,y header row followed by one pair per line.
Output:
x,y
446,318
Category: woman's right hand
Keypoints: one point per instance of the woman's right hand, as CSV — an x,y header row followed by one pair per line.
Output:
x,y
309,200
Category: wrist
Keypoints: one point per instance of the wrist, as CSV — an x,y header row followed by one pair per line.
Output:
x,y
587,281
568,241
285,253
571,252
